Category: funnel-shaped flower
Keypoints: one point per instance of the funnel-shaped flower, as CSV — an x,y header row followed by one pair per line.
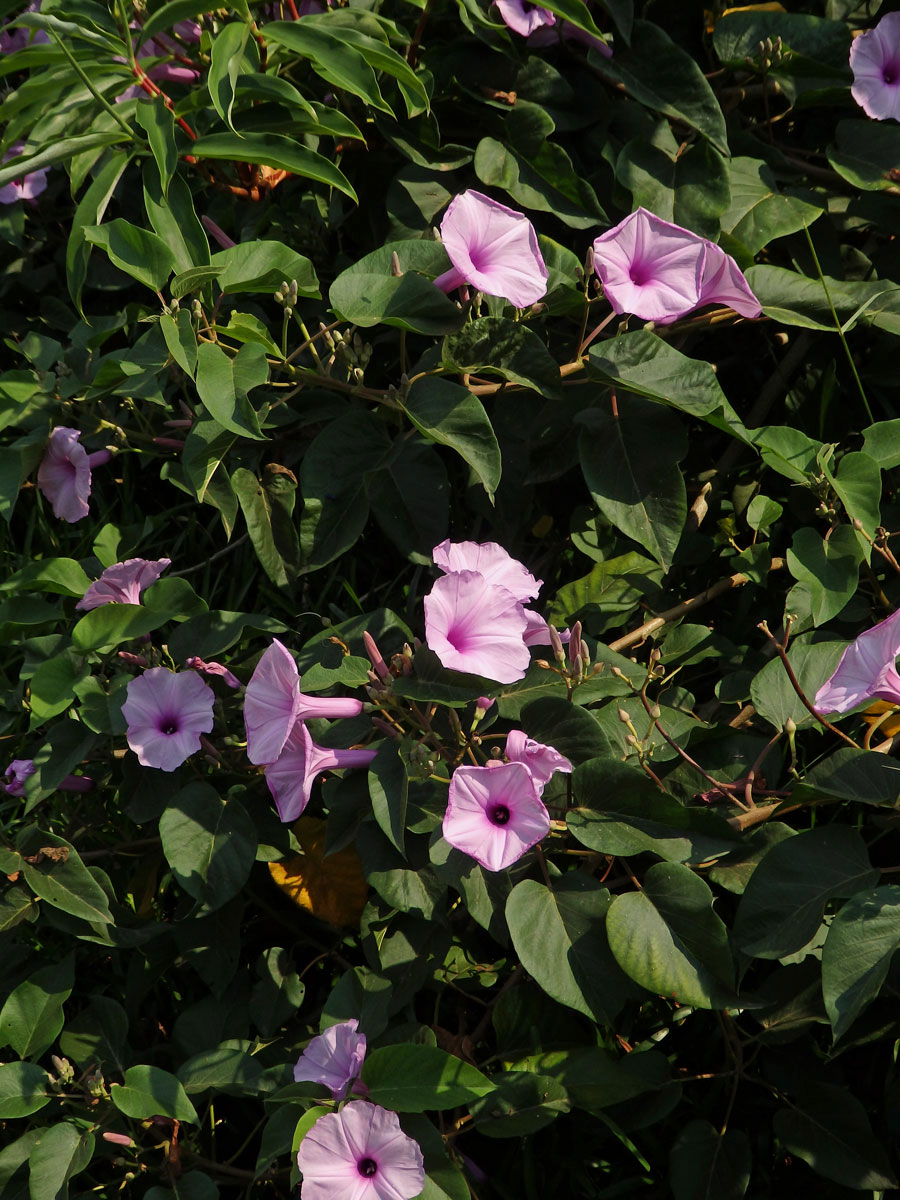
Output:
x,y
334,1058
292,775
273,703
123,582
64,475
493,248
474,626
542,761
492,563
495,814
524,18
18,772
166,713
30,185
875,63
866,670
723,282
360,1153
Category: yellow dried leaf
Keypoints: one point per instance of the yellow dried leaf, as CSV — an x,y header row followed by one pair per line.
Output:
x,y
332,888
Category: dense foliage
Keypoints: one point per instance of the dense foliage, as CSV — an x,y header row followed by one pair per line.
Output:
x,y
224,347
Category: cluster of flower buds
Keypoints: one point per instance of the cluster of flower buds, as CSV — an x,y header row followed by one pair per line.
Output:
x,y
172,308
349,347
771,53
287,296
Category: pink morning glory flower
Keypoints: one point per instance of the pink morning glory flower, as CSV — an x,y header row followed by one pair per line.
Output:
x,y
360,1153
291,777
18,771
659,272
123,582
29,186
64,475
334,1058
492,563
166,713
866,670
875,63
273,703
493,248
542,761
495,814
475,626
524,18
213,668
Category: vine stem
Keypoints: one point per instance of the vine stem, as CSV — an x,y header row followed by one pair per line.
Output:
x,y
101,100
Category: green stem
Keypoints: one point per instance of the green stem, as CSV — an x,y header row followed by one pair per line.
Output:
x,y
839,327
87,83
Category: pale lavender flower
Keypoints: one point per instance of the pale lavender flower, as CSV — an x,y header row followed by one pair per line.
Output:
x,y
360,1153
64,475
123,582
291,777
213,668
875,63
273,703
495,565
28,187
18,39
723,282
542,761
522,17
166,714
18,771
476,626
495,814
493,248
333,1058
866,670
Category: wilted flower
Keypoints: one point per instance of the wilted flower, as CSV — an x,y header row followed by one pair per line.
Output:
x,y
273,703
29,186
123,582
542,761
866,670
166,713
524,18
495,814
333,1058
875,63
292,775
494,248
475,626
213,668
360,1153
64,475
18,771
659,272
492,563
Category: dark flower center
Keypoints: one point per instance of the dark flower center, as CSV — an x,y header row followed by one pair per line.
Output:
x,y
168,725
499,814
367,1167
638,274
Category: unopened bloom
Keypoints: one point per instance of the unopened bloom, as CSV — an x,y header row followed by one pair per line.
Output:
x,y
123,582
291,777
273,703
475,626
493,248
18,771
542,761
360,1153
866,670
213,668
64,475
495,814
166,714
333,1058
494,564
29,186
524,18
875,63
659,272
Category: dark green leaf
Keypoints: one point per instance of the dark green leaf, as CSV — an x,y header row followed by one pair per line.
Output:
x,y
223,384
706,1164
498,346
272,150
857,954
137,252
32,1017
451,416
829,1129
150,1092
416,1078
209,842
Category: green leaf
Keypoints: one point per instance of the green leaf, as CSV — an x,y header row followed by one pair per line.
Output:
x,y
277,994
416,1078
738,33
174,219
223,384
666,79
62,880
782,906
858,485
881,442
634,479
64,576
409,498
91,209
759,212
61,1152
813,657
107,627
623,812
647,365
856,957
830,569
523,1103
137,252
608,593
53,686
451,416
180,340
23,1089
547,182
152,1092
56,152
32,1017
866,153
388,790
260,266
158,121
561,940
192,1185
272,150
795,299
210,844
226,60
705,1164
828,1128
369,294
498,346
225,1069
689,186
270,526
860,776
